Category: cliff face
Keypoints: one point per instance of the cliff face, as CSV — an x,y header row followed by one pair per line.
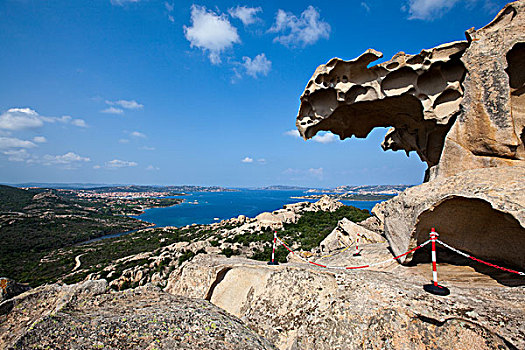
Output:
x,y
459,105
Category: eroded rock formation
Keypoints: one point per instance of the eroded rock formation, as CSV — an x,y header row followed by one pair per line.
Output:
x,y
480,211
459,105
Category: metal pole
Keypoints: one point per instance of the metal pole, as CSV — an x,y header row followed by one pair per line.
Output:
x,y
357,246
433,236
273,262
435,288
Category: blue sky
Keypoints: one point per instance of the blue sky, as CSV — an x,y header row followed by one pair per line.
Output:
x,y
205,93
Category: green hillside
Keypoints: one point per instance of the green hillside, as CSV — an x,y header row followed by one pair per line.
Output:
x,y
34,223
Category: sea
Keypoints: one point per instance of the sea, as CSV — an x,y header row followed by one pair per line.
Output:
x,y
209,207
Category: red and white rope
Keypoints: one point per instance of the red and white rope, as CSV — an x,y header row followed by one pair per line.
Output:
x,y
479,260
351,267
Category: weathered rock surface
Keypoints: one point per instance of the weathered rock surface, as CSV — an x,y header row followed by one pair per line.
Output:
x,y
301,307
480,211
346,234
490,130
86,316
475,87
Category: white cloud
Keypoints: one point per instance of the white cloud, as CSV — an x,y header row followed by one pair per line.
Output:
x,y
27,118
247,160
19,155
316,172
169,6
112,110
131,104
324,138
123,141
210,32
65,159
39,139
259,65
365,6
137,134
152,168
261,160
248,15
123,104
123,2
117,163
428,9
298,174
293,133
79,122
20,118
299,31
171,19
147,148
13,142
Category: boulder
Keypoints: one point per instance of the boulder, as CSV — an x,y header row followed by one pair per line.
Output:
x,y
345,235
459,105
327,203
86,316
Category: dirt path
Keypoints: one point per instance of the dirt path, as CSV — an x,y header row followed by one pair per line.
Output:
x,y
77,261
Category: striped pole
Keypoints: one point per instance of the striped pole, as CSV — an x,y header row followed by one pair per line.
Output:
x,y
357,253
435,288
433,236
273,262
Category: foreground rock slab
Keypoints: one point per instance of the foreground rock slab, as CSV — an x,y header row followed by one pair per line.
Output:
x,y
86,316
300,307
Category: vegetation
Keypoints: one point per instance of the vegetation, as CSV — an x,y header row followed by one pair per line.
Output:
x,y
41,232
35,223
307,233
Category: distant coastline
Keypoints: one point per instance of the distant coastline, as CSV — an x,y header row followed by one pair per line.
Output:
x,y
349,197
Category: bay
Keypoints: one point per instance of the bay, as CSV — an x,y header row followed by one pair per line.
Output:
x,y
206,207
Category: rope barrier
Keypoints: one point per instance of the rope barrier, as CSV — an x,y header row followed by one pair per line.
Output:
x,y
280,241
433,288
479,260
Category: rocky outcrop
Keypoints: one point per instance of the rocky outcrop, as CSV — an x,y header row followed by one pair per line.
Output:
x,y
480,211
300,307
86,316
459,105
289,214
346,234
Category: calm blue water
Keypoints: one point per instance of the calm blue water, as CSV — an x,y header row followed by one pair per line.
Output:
x,y
226,205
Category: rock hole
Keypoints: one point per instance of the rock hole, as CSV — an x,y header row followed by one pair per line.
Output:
x,y
392,65
516,67
475,227
417,59
399,81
